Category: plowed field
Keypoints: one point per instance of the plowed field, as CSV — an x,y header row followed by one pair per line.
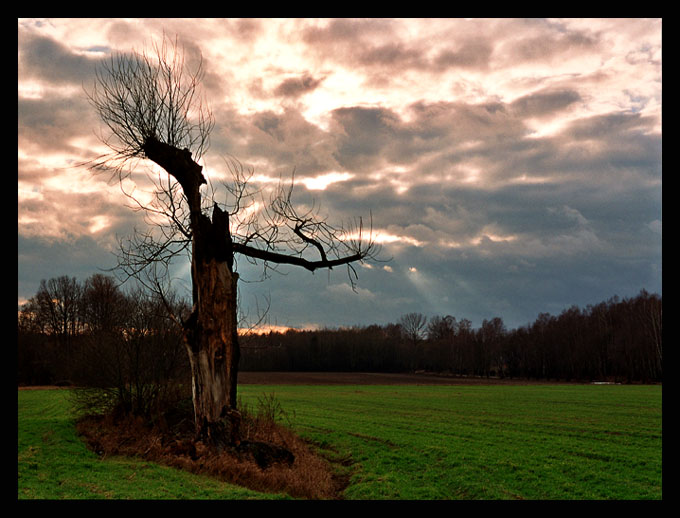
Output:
x,y
366,378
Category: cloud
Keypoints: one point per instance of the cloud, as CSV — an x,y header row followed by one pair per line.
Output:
x,y
365,134
322,182
297,86
43,58
345,31
345,292
515,164
473,53
548,41
545,102
53,125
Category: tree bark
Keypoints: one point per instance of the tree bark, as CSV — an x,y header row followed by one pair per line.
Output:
x,y
211,340
210,332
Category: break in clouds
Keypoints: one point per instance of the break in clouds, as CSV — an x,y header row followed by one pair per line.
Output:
x,y
510,167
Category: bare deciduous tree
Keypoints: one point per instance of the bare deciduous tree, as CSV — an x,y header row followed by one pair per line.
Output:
x,y
103,305
151,106
58,304
413,329
441,328
413,326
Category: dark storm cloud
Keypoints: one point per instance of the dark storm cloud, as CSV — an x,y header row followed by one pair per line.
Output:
x,y
439,137
396,55
580,170
433,137
473,53
371,136
545,102
614,144
296,86
42,57
550,42
365,135
287,140
363,43
342,30
592,165
374,45
48,125
603,126
465,122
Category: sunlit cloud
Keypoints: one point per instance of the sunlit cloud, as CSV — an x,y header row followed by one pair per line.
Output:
x,y
99,223
530,179
72,181
475,146
321,182
264,329
543,129
382,237
31,89
491,237
28,192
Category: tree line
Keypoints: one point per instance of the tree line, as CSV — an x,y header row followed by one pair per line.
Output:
x,y
617,340
96,334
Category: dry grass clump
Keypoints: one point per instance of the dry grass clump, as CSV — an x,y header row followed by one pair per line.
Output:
x,y
270,457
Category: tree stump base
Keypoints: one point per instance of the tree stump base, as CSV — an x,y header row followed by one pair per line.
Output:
x,y
265,454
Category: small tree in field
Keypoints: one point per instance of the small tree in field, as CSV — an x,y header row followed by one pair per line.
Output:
x,y
151,106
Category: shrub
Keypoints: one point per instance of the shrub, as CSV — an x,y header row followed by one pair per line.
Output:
x,y
139,369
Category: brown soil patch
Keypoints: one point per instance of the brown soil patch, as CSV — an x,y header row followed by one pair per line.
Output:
x,y
273,459
369,378
362,378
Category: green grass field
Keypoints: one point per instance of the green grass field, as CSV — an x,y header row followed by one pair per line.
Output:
x,y
404,442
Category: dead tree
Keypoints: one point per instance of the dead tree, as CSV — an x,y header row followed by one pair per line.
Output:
x,y
151,107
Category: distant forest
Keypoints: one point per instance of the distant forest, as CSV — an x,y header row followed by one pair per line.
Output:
x,y
70,332
617,340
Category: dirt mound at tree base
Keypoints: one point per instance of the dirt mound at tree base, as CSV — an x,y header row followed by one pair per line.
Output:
x,y
280,462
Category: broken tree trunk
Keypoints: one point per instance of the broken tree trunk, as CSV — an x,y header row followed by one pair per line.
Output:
x,y
210,332
212,344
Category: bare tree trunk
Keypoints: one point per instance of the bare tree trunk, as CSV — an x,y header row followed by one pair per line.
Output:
x,y
210,332
212,344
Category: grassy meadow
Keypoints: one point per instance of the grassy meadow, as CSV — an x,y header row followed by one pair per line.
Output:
x,y
395,442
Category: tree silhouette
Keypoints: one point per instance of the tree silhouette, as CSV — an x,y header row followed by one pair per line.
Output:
x,y
151,107
413,329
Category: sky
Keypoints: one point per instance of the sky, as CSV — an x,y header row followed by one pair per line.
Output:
x,y
510,167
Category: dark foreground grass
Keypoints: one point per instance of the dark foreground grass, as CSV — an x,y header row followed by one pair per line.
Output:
x,y
397,442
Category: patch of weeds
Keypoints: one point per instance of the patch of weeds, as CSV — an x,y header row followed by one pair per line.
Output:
x,y
270,457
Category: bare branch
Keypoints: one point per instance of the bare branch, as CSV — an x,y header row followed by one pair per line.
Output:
x,y
275,257
140,96
281,233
